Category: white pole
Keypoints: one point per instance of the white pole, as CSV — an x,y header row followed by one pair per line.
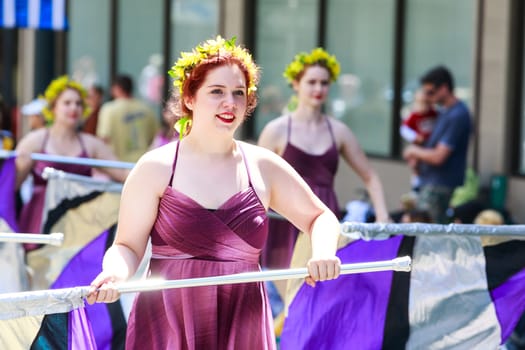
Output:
x,y
422,229
55,238
398,264
41,302
72,160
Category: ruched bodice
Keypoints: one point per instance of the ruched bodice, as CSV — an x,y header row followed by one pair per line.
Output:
x,y
31,215
234,232
190,241
317,170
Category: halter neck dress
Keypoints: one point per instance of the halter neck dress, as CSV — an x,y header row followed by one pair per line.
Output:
x,y
190,241
31,214
319,172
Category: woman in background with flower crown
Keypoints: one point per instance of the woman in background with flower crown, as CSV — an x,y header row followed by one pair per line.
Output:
x,y
203,202
66,105
312,142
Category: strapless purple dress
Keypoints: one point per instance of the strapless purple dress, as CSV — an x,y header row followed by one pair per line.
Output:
x,y
190,241
31,214
319,172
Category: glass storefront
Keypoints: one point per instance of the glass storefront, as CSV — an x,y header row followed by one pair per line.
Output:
x,y
361,33
88,41
283,29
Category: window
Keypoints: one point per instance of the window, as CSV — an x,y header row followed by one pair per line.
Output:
x,y
139,51
359,33
521,140
439,32
88,41
379,71
283,29
192,22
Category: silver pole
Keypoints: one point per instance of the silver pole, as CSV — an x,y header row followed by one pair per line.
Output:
x,y
398,264
55,238
41,302
72,160
422,229
102,185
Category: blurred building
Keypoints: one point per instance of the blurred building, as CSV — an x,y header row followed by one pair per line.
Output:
x,y
383,46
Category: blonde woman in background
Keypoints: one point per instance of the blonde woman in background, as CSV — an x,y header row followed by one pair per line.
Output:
x,y
66,106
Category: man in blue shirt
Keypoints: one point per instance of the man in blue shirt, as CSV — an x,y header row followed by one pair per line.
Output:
x,y
442,159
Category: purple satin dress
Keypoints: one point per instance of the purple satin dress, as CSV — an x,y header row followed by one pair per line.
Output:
x,y
190,241
319,172
31,215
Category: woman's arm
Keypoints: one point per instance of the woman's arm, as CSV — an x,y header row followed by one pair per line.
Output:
x,y
290,196
357,160
101,150
273,136
138,211
29,144
434,156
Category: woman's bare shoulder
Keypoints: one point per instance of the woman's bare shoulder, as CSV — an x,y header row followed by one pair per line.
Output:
x,y
276,125
153,169
274,134
33,140
341,130
161,156
263,158
90,140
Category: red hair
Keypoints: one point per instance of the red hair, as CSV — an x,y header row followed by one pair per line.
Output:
x,y
197,76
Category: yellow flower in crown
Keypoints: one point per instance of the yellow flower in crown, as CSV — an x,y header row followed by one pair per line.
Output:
x,y
316,56
55,88
210,48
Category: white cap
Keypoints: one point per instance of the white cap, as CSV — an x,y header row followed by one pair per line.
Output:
x,y
34,107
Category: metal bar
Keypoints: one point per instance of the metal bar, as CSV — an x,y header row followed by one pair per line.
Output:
x,y
14,305
73,160
41,302
105,185
422,229
398,264
55,238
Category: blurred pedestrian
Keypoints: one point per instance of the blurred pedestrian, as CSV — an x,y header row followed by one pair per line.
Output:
x,y
95,99
65,107
167,132
442,159
33,112
416,128
126,123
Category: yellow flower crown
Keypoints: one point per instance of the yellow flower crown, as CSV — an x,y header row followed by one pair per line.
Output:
x,y
55,88
304,59
181,70
210,48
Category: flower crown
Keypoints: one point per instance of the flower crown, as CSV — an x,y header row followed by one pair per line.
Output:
x,y
181,70
55,88
210,48
304,59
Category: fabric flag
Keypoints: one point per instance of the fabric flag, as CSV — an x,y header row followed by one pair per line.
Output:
x,y
14,272
86,213
35,14
62,331
31,332
459,295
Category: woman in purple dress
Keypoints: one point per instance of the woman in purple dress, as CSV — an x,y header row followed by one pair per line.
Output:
x,y
203,202
167,132
66,104
312,142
